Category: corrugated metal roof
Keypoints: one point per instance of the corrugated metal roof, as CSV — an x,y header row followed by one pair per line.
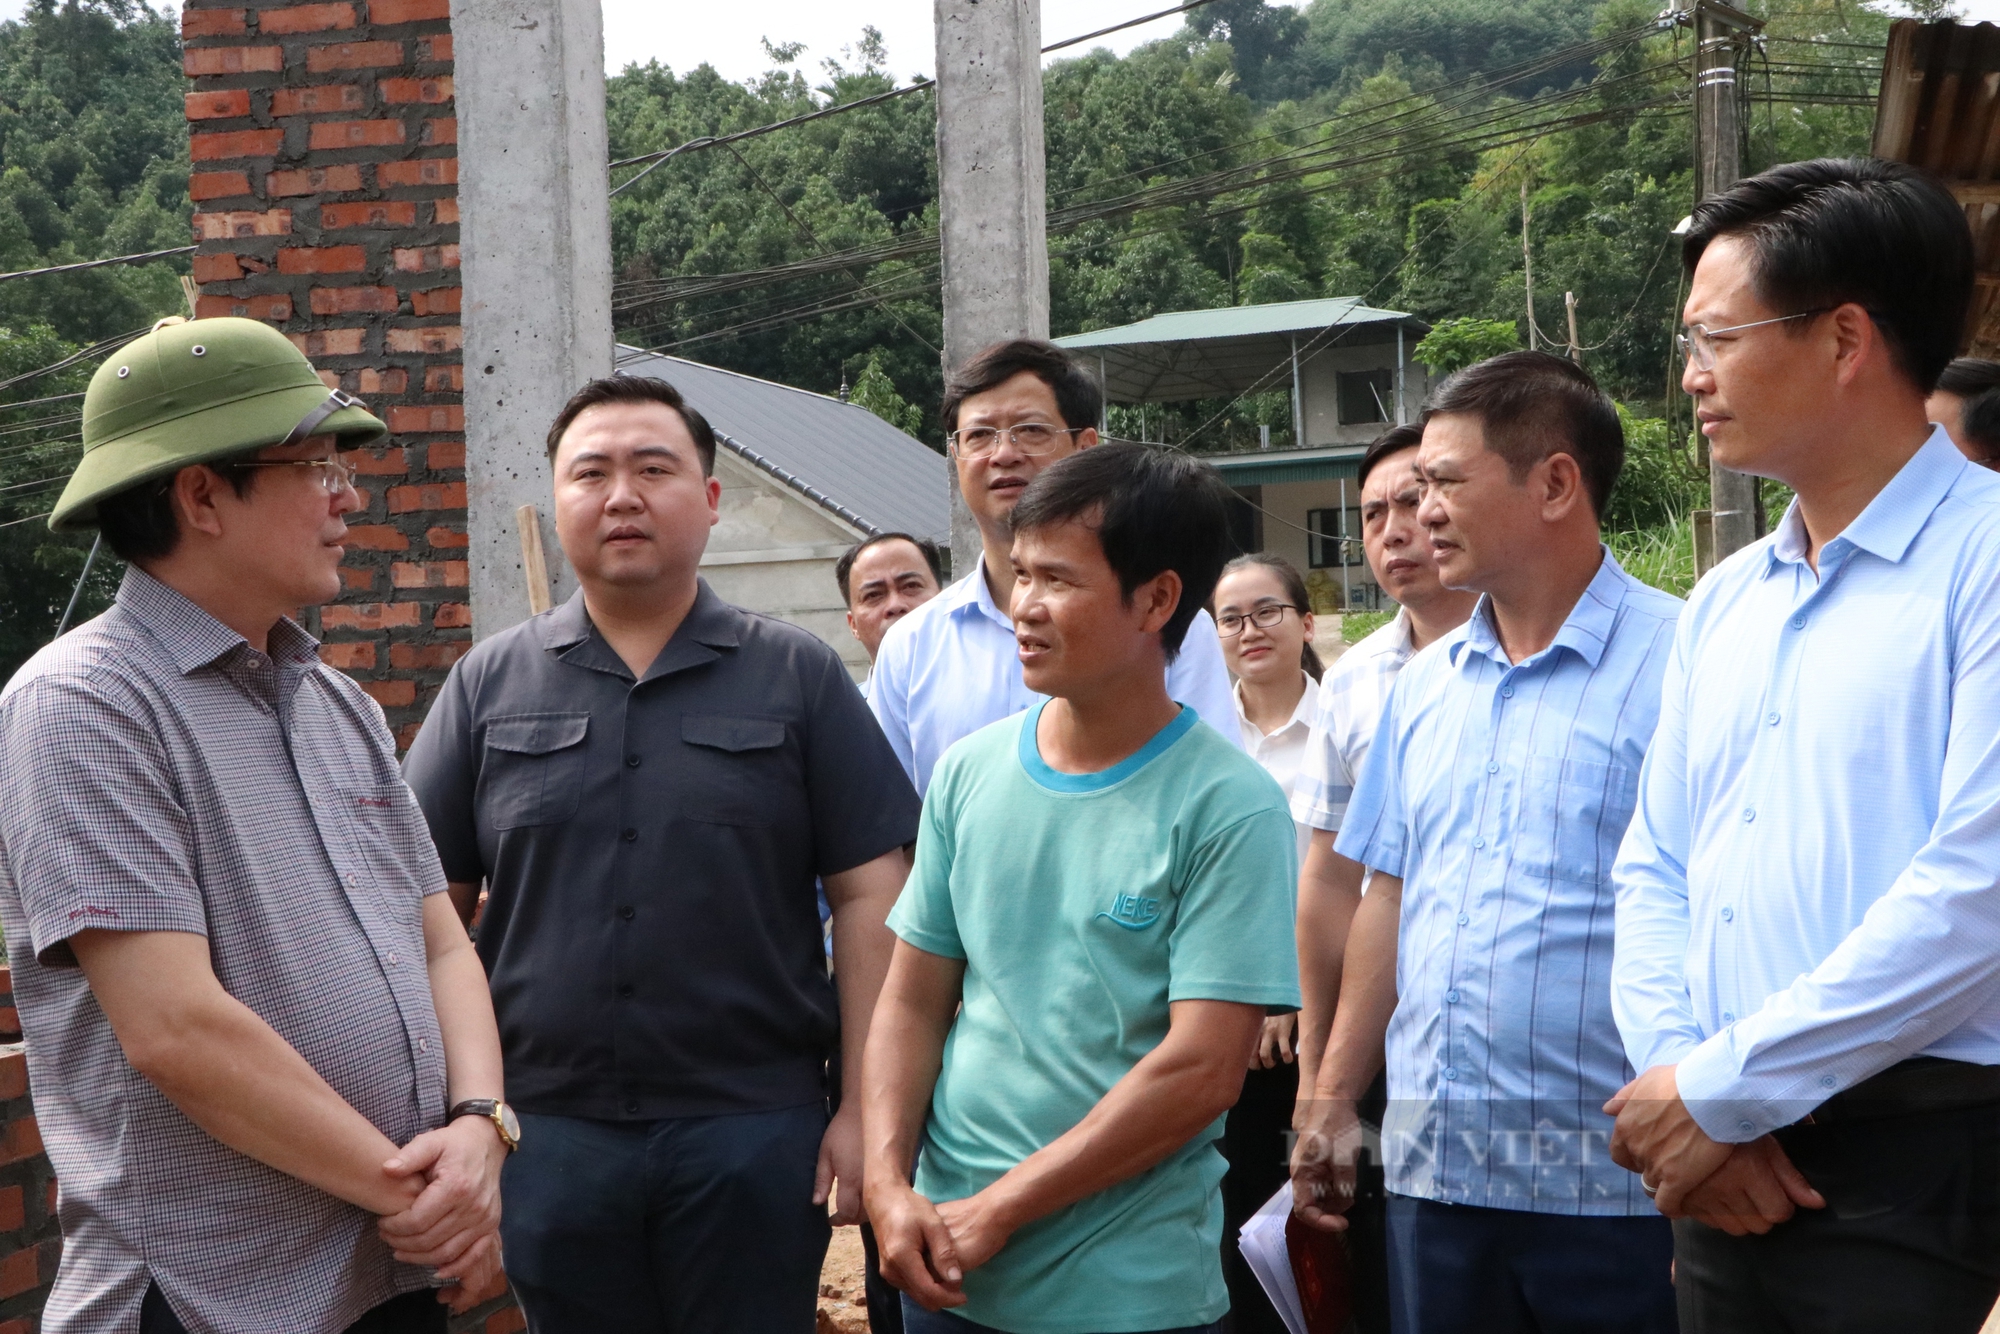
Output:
x,y
1281,317
1188,354
1939,109
1288,465
838,455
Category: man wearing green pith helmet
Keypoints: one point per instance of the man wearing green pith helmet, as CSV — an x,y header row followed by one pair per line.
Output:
x,y
260,1046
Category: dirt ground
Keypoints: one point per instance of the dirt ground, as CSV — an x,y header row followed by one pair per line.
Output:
x,y
843,1308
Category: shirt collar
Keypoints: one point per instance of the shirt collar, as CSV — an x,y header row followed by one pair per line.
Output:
x,y
971,597
192,637
1585,631
710,624
1302,712
1894,517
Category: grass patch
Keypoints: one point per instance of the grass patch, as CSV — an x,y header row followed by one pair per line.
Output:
x,y
1662,556
1356,626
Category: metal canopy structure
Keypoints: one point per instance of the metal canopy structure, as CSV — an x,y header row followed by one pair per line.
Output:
x,y
1190,354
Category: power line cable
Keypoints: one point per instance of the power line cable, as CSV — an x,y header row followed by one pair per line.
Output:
x,y
97,263
713,141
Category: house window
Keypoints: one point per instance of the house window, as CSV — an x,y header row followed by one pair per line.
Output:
x,y
1326,550
1366,396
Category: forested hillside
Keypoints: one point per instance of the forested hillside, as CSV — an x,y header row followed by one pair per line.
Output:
x,y
1354,147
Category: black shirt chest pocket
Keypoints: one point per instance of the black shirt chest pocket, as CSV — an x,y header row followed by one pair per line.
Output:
x,y
533,770
736,768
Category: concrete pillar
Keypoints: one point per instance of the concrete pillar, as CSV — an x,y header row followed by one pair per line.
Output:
x,y
992,191
535,232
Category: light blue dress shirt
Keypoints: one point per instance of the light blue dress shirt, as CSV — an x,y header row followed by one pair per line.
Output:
x,y
1807,893
1499,792
949,668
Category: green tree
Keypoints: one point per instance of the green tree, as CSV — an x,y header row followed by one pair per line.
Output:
x,y
1455,344
874,390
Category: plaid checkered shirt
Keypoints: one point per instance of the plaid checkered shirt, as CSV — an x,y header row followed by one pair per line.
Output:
x,y
1351,698
157,773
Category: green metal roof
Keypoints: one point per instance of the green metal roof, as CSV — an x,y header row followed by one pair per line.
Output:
x,y
1288,465
1281,317
1193,354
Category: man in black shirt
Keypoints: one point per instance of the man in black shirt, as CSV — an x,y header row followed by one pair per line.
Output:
x,y
648,780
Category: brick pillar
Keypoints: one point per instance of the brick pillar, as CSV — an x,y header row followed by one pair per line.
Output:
x,y
325,181
30,1240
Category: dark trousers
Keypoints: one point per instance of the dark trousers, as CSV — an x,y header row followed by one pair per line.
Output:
x,y
685,1226
1909,1239
411,1313
1256,1142
1457,1267
916,1320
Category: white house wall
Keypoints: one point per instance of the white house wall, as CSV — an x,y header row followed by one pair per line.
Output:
x,y
1320,398
1286,505
774,552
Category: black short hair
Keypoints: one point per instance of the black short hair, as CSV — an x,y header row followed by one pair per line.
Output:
x,y
1967,376
1979,428
1153,511
1883,235
1533,404
141,523
844,567
636,389
1392,441
1079,398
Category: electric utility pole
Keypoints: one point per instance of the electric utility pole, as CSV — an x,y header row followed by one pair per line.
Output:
x,y
1722,36
992,193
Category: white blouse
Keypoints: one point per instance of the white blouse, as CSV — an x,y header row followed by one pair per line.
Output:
x,y
1283,751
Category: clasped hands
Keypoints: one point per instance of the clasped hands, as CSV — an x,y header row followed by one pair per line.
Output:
x,y
1739,1188
927,1249
452,1224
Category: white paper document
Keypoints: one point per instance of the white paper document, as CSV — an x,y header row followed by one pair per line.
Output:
x,y
1262,1241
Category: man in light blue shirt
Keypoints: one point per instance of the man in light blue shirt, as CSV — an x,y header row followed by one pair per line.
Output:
x,y
1808,962
949,668
1490,808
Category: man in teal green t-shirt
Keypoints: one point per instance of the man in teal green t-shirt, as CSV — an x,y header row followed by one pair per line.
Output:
x,y
1099,919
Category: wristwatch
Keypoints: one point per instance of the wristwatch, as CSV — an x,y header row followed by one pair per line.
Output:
x,y
499,1113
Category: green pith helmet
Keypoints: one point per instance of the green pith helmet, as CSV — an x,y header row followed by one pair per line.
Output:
x,y
191,392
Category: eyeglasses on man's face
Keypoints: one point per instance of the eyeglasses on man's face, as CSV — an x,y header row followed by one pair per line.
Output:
x,y
1230,624
1031,438
1697,341
334,475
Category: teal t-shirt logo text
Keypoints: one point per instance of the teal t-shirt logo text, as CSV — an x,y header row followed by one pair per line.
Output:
x,y
1133,911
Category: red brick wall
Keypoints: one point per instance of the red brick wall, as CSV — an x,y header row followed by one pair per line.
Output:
x,y
325,158
30,1242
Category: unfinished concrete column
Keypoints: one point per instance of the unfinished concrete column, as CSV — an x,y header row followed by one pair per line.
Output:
x,y
992,191
535,236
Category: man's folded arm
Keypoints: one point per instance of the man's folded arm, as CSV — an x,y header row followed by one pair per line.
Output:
x,y
229,1071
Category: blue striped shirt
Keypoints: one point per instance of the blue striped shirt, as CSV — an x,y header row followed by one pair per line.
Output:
x,y
1807,894
1499,792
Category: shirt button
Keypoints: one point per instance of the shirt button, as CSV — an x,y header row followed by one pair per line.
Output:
x,y
1798,623
632,1105
630,836
1451,997
1729,914
1746,1127
1492,768
1451,1072
423,1044
625,991
1728,1017
1826,1081
1478,842
347,880
1507,692
395,959
627,912
631,761
1749,814
1464,920
1772,718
